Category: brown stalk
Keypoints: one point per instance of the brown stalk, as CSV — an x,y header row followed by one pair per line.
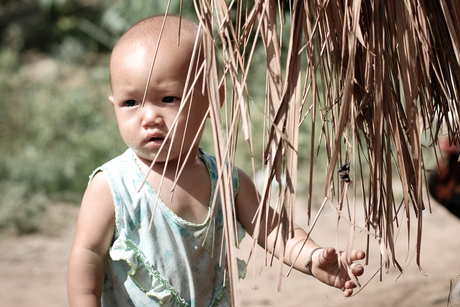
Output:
x,y
375,75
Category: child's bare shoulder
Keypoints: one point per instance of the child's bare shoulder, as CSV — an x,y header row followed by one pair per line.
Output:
x,y
98,201
96,220
98,191
98,181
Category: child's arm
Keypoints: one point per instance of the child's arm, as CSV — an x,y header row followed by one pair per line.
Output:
x,y
323,264
95,228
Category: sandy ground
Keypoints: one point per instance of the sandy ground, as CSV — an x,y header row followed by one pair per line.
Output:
x,y
33,268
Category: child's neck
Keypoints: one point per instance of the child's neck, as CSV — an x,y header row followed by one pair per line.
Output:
x,y
169,166
184,187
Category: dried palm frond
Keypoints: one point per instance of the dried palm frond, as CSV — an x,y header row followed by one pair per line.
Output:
x,y
375,74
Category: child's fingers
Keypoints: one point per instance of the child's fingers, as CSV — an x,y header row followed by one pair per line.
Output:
x,y
349,284
358,255
348,287
347,292
357,269
329,254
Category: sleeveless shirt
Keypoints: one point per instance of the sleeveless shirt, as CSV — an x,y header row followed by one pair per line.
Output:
x,y
173,262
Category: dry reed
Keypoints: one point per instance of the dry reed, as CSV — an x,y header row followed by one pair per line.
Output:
x,y
376,74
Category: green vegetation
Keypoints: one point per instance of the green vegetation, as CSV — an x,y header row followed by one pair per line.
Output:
x,y
56,124
55,127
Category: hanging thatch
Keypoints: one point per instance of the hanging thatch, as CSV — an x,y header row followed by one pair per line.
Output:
x,y
376,75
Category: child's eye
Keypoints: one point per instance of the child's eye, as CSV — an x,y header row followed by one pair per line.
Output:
x,y
130,103
170,99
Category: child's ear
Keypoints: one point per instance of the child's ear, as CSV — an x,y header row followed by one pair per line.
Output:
x,y
112,100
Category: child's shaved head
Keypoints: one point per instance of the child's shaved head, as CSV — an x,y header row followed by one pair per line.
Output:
x,y
177,32
151,27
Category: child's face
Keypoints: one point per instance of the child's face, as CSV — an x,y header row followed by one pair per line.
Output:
x,y
144,128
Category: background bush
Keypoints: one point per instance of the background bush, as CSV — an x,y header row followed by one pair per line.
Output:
x,y
56,124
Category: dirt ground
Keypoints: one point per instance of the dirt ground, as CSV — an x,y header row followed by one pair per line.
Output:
x,y
33,268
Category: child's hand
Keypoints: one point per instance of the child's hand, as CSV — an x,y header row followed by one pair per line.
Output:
x,y
326,268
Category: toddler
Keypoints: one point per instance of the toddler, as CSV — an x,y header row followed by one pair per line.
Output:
x,y
150,248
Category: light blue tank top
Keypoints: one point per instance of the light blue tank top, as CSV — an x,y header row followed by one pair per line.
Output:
x,y
175,263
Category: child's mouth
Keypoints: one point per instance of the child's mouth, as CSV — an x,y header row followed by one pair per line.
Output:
x,y
155,140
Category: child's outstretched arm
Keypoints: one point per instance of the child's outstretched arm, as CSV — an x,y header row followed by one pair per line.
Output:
x,y
322,263
93,237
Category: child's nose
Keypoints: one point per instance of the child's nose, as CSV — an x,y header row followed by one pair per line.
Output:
x,y
152,115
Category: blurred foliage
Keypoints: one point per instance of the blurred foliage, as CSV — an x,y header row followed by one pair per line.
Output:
x,y
47,25
21,210
56,124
